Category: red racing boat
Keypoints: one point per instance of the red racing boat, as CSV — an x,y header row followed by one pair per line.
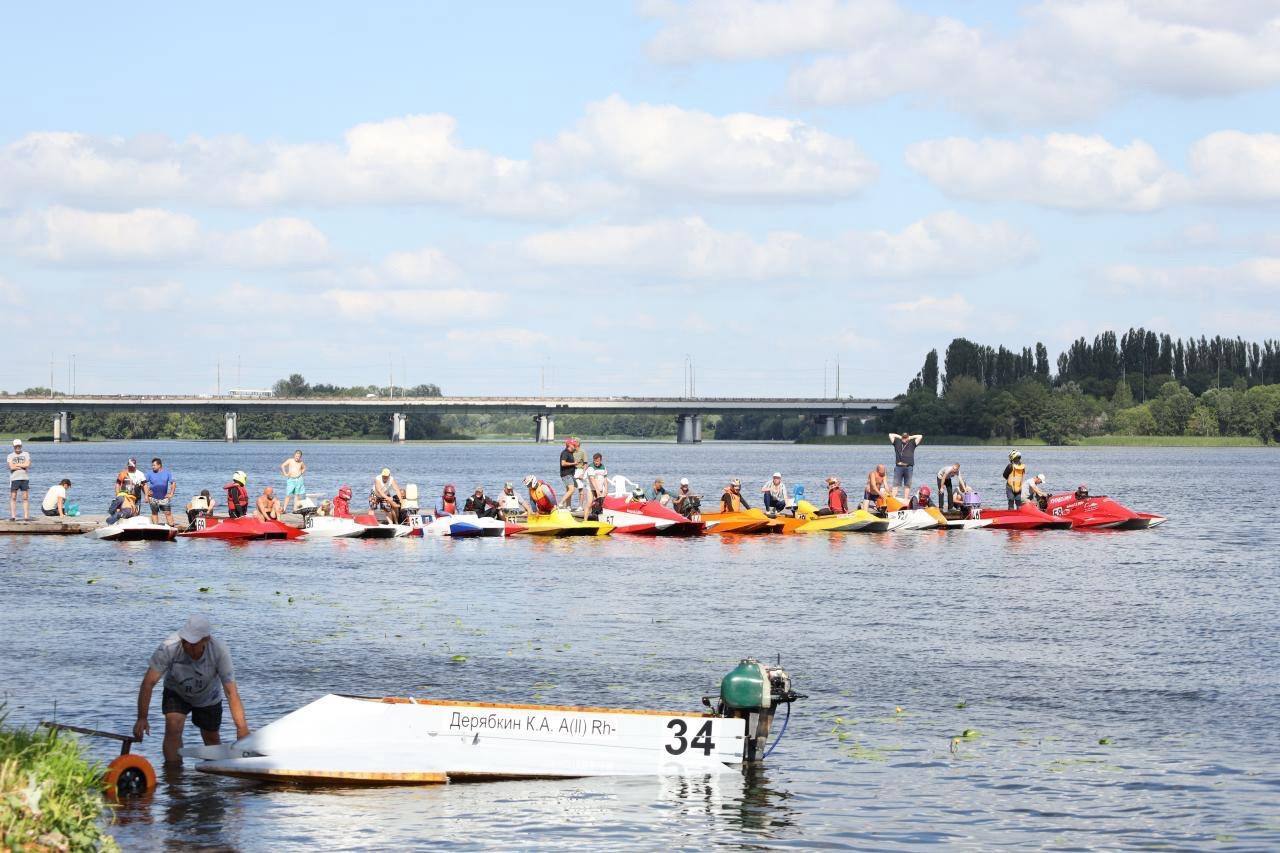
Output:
x,y
1029,517
647,518
1099,512
242,529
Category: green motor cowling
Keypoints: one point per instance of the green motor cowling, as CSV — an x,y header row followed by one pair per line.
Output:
x,y
747,687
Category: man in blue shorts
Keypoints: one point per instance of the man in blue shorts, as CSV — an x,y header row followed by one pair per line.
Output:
x,y
293,468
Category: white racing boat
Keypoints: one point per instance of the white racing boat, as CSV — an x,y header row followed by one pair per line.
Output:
x,y
326,526
354,740
136,529
463,525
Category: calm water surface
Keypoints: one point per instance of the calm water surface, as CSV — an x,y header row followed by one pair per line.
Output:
x,y
1163,642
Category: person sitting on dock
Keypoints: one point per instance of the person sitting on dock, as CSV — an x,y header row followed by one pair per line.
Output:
x,y
732,499
19,481
267,507
448,504
124,505
386,496
874,493
159,488
237,495
201,506
774,494
196,669
131,478
950,481
55,500
481,504
541,496
509,502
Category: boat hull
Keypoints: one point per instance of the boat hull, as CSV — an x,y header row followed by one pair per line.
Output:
x,y
136,529
349,740
747,522
1028,517
1100,513
243,529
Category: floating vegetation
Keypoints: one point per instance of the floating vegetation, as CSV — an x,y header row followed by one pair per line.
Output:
x,y
92,581
1104,741
458,659
204,589
961,705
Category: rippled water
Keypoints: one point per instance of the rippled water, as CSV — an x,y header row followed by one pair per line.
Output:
x,y
1163,642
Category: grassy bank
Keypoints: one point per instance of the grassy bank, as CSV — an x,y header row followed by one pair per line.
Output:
x,y
954,440
50,796
1170,441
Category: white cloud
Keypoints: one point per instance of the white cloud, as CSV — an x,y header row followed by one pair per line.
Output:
x,y
616,153
9,294
737,156
943,244
1254,275
412,308
422,266
1234,166
1059,170
1070,59
65,235
948,314
507,336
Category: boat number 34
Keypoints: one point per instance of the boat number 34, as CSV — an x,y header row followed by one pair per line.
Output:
x,y
701,740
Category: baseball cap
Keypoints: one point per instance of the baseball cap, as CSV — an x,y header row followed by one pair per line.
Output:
x,y
776,474
17,442
507,485
196,629
386,472
133,462
684,481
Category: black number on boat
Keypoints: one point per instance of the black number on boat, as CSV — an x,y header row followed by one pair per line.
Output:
x,y
702,740
682,744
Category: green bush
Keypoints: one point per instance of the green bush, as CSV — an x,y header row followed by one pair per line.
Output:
x,y
50,796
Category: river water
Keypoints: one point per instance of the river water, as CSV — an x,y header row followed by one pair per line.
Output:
x,y
1124,685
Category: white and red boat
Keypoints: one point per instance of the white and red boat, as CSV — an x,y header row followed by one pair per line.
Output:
x,y
1099,512
647,518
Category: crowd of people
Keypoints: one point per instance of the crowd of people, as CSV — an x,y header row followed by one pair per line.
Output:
x,y
585,482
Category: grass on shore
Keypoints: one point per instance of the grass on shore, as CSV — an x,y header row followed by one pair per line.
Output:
x,y
952,440
50,796
1170,441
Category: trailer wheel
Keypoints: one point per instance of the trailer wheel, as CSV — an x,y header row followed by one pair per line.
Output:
x,y
129,776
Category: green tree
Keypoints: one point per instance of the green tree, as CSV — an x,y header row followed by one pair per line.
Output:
x,y
1135,420
1203,421
1172,408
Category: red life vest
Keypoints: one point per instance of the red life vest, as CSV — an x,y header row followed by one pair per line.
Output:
x,y
838,500
543,497
237,496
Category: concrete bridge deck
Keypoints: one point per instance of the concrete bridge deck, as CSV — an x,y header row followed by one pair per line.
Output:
x,y
834,414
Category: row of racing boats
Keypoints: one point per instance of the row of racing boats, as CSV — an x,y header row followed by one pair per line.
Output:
x,y
634,517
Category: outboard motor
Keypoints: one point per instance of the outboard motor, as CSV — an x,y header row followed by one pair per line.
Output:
x,y
753,692
307,508
972,503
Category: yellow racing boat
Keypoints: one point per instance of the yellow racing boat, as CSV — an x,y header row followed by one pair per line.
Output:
x,y
561,522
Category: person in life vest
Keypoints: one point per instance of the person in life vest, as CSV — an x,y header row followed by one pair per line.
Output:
x,y
686,502
1082,492
201,506
509,502
922,498
448,504
125,505
237,495
342,502
1037,492
837,498
1014,473
732,499
874,492
481,504
541,496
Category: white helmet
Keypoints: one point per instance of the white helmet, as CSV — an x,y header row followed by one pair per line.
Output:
x,y
530,480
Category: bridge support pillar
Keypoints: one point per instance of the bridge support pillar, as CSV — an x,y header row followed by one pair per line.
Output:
x,y
232,434
62,427
688,429
545,429
842,425
828,425
399,420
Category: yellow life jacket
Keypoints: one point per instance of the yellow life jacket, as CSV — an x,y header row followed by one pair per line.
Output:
x,y
1015,477
735,502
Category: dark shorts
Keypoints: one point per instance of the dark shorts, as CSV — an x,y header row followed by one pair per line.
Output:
x,y
207,719
19,485
48,511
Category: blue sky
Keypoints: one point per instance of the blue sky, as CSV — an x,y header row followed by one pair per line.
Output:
x,y
502,198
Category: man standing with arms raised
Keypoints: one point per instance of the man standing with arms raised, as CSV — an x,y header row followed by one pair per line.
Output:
x,y
904,461
196,669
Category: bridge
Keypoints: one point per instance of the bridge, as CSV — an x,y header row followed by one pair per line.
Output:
x,y
832,414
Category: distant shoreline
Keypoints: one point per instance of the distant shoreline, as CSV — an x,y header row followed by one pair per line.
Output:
x,y
1088,441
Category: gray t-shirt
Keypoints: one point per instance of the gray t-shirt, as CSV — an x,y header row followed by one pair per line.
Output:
x,y
18,459
199,682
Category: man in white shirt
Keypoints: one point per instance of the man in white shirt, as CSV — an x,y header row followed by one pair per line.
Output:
x,y
55,500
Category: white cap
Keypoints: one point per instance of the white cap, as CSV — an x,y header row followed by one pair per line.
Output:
x,y
776,474
684,481
17,442
1040,477
196,629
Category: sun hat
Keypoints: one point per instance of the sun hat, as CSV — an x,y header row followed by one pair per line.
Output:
x,y
386,472
17,442
684,481
196,629
776,474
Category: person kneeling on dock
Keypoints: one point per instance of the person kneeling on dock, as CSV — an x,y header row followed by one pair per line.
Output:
x,y
196,669
125,505
268,507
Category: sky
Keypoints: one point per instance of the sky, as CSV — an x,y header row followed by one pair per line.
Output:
x,y
585,198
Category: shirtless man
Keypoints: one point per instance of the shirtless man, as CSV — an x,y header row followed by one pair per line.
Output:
x,y
875,489
293,468
267,508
